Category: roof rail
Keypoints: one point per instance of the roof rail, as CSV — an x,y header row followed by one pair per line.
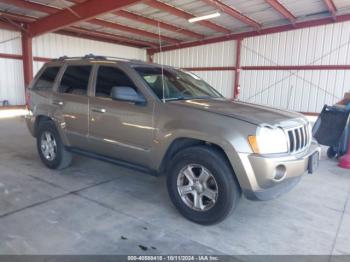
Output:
x,y
97,57
88,56
92,56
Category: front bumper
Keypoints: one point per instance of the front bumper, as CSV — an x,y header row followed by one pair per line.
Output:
x,y
261,171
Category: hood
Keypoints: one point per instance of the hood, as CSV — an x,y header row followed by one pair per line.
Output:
x,y
252,113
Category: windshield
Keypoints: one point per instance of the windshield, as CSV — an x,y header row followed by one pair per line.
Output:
x,y
177,84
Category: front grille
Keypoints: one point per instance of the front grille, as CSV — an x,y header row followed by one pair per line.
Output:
x,y
299,138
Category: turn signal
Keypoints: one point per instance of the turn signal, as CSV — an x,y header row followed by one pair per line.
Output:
x,y
253,144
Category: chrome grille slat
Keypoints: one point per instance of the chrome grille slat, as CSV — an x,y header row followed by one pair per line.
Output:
x,y
295,141
291,141
305,136
302,137
298,138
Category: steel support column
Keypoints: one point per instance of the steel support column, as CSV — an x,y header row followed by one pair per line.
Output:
x,y
150,55
27,58
237,68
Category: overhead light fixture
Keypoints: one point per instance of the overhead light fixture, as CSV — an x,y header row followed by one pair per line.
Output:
x,y
204,17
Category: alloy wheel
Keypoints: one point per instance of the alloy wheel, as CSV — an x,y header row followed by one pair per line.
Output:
x,y
197,187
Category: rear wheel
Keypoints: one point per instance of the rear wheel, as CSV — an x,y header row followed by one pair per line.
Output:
x,y
202,186
50,147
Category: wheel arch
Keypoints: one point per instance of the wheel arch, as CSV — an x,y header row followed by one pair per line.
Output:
x,y
39,119
42,118
182,143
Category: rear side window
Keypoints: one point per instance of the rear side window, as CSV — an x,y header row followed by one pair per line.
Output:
x,y
47,78
75,80
108,77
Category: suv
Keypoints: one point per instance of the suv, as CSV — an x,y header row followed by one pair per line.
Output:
x,y
166,121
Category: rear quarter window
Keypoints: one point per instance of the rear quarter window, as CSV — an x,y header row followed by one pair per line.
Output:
x,y
47,78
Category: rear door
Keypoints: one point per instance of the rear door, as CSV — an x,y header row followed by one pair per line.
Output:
x,y
118,129
72,104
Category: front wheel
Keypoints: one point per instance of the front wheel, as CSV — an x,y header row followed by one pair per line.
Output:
x,y
202,185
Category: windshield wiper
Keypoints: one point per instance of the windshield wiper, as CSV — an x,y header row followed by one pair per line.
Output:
x,y
175,98
189,98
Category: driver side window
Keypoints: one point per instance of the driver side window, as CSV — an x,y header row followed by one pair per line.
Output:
x,y
107,78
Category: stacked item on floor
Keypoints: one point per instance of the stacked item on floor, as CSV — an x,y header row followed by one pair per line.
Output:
x,y
4,103
332,127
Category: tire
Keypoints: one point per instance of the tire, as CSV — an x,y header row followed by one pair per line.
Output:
x,y
59,158
201,160
331,153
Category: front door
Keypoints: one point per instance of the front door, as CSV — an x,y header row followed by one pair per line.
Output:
x,y
118,129
72,102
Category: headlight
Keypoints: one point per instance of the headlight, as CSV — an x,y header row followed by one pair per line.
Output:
x,y
269,140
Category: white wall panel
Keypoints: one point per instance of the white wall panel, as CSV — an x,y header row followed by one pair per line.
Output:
x,y
221,80
11,81
37,66
10,42
50,46
217,54
304,91
322,45
11,72
56,45
212,55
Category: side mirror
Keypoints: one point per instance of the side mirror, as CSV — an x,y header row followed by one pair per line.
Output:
x,y
128,94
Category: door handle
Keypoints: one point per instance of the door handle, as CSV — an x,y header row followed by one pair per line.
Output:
x,y
99,110
58,103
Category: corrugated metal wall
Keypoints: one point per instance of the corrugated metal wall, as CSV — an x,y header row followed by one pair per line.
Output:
x,y
10,42
11,81
305,91
11,72
218,54
48,46
220,80
55,45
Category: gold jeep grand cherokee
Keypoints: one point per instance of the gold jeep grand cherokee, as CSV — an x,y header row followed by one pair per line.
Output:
x,y
166,121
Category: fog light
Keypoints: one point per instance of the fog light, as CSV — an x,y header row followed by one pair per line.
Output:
x,y
280,173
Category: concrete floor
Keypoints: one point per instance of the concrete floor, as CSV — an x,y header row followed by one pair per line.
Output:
x,y
97,208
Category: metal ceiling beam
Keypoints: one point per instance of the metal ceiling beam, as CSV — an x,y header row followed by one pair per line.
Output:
x,y
17,17
120,27
14,22
265,31
95,35
233,12
282,10
128,29
155,23
84,33
180,13
31,6
331,8
8,26
75,14
54,10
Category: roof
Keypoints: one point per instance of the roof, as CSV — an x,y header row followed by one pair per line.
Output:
x,y
149,23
